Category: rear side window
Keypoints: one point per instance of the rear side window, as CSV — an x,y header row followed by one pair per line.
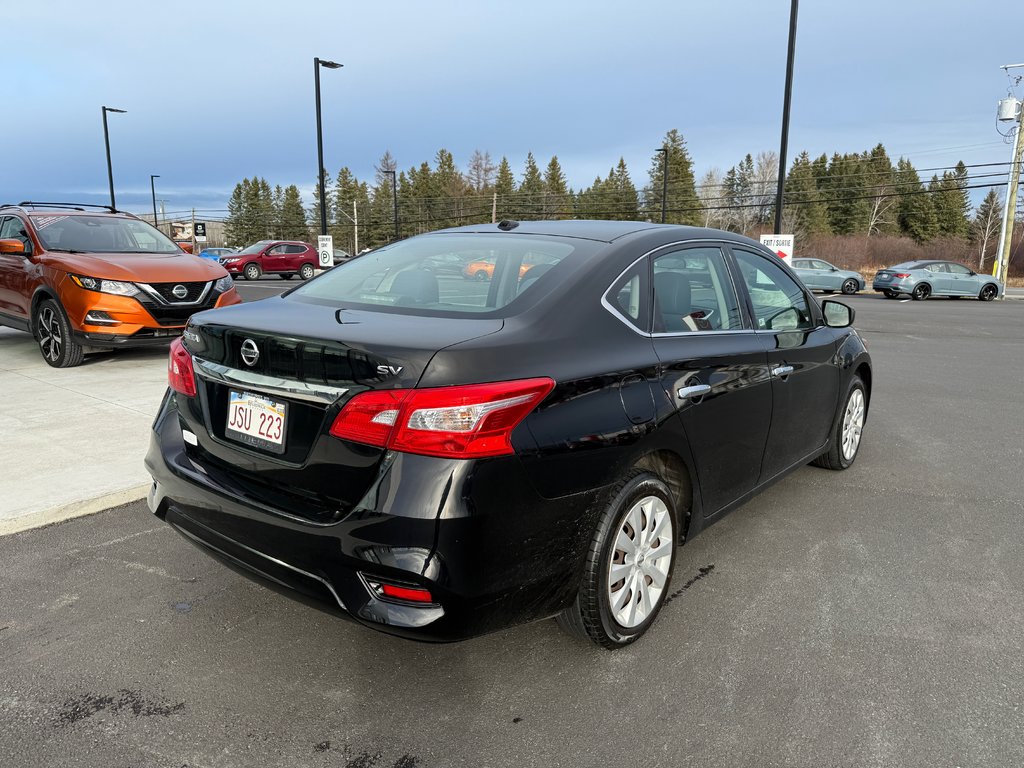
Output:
x,y
295,249
448,274
779,304
629,296
693,292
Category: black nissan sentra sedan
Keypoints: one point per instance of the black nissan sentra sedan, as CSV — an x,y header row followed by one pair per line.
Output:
x,y
437,457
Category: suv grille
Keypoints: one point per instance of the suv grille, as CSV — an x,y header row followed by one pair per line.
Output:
x,y
193,291
175,315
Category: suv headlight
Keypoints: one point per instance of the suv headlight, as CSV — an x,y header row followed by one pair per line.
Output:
x,y
224,285
115,287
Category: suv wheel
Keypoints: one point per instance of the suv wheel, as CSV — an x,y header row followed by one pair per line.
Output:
x,y
252,272
53,332
306,271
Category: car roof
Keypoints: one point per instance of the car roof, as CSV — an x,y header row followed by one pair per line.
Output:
x,y
602,231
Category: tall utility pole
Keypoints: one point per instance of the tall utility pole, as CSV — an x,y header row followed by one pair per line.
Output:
x,y
355,227
664,180
1010,109
106,141
786,100
317,63
494,208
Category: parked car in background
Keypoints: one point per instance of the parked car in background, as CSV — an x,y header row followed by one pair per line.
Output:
x,y
81,281
274,257
340,257
819,275
439,461
451,264
216,254
923,279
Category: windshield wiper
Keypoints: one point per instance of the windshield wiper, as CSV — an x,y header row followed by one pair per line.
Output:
x,y
64,250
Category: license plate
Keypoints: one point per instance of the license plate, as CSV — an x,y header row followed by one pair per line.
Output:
x,y
256,420
882,278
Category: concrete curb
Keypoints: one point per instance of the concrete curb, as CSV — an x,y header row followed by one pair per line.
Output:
x,y
73,510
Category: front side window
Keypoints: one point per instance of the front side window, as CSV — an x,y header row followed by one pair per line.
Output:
x,y
100,234
404,275
693,292
13,228
779,304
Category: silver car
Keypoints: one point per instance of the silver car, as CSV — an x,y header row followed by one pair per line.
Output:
x,y
921,279
819,275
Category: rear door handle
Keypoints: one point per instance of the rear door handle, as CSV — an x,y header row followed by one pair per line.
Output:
x,y
782,371
697,390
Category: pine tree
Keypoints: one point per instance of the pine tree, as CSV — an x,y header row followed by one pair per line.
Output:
x,y
880,185
292,217
234,224
682,204
916,212
505,189
803,197
591,203
621,195
530,196
557,201
340,199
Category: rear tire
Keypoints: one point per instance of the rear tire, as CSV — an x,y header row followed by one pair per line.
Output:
x,y
628,568
53,332
845,440
252,272
850,286
481,275
921,292
306,272
988,293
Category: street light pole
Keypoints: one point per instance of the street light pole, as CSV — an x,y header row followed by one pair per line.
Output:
x,y
394,199
152,188
664,181
317,63
787,98
106,141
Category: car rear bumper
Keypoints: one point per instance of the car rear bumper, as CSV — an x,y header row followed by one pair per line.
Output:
x,y
490,550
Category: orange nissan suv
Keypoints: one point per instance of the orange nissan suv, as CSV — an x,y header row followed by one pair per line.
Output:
x,y
84,280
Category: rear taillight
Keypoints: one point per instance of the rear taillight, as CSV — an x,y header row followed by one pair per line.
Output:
x,y
901,275
180,373
463,422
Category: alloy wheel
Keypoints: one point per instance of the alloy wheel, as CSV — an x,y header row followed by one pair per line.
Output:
x,y
51,338
988,293
641,558
853,424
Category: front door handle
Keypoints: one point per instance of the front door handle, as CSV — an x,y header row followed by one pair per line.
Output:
x,y
782,371
697,390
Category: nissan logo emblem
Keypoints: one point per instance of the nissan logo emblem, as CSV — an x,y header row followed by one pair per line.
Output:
x,y
250,352
179,291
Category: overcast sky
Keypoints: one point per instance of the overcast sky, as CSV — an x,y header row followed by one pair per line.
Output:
x,y
217,91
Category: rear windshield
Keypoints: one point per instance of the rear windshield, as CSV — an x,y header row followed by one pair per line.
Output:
x,y
446,274
100,234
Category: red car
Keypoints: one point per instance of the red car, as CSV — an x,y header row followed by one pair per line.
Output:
x,y
276,257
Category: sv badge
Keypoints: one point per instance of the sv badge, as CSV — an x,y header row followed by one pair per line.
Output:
x,y
389,370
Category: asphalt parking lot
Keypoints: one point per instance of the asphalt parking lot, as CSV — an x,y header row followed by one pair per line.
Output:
x,y
866,618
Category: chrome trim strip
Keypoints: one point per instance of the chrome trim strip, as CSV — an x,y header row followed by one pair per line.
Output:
x,y
298,390
663,335
154,293
274,560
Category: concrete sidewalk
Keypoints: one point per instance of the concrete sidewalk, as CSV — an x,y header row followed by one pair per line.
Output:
x,y
74,438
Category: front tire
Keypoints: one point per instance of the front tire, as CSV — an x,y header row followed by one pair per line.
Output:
x,y
306,272
850,286
629,564
988,293
921,292
844,443
252,272
53,332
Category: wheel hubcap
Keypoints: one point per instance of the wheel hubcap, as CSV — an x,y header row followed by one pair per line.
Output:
x,y
853,424
50,337
641,558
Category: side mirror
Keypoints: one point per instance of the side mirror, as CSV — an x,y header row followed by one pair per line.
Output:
x,y
12,246
837,314
835,269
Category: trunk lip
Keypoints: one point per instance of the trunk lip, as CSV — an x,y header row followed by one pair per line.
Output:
x,y
322,394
